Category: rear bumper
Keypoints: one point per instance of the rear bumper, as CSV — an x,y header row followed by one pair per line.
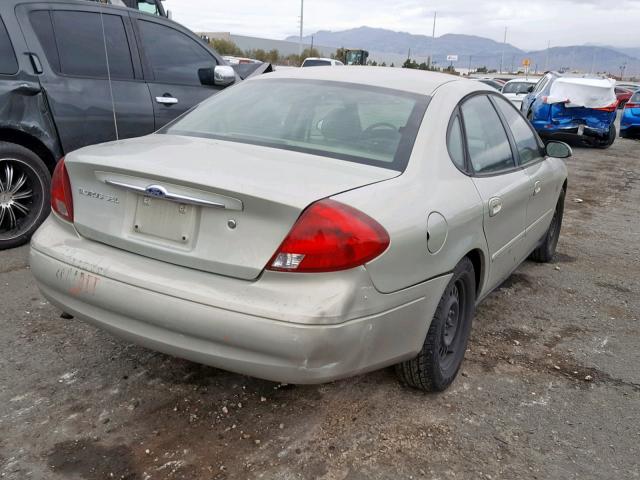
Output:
x,y
232,339
589,136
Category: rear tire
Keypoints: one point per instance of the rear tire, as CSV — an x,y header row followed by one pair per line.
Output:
x,y
610,138
437,364
547,249
25,182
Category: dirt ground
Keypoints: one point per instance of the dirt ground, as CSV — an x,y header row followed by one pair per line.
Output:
x,y
550,387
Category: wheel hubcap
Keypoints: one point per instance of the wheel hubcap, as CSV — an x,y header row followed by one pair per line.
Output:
x,y
16,195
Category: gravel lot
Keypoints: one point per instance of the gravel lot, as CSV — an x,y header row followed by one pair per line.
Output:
x,y
550,387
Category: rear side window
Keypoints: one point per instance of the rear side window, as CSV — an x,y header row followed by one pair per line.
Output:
x,y
174,56
455,143
487,141
81,45
526,142
316,63
8,61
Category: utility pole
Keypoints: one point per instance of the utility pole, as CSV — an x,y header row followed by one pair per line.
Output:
x,y
433,39
469,72
301,28
311,51
546,61
504,45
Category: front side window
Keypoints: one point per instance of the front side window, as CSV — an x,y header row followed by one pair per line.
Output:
x,y
375,126
174,56
8,61
526,142
81,44
487,141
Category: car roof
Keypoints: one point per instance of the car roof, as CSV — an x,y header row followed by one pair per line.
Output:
x,y
409,80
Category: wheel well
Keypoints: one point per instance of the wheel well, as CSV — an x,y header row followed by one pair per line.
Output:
x,y
477,259
30,142
564,186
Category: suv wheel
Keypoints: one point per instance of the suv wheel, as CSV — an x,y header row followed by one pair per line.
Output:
x,y
437,364
24,194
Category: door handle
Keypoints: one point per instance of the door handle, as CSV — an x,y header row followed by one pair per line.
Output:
x,y
167,100
495,205
35,63
537,187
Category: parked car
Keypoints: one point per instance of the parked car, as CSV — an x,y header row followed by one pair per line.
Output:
x,y
56,94
255,233
630,122
575,109
515,90
629,86
623,95
321,62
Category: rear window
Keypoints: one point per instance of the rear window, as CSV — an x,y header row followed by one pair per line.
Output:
x,y
370,125
316,63
80,44
635,98
517,87
8,61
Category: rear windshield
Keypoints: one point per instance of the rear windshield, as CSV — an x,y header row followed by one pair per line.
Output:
x,y
316,63
370,125
517,87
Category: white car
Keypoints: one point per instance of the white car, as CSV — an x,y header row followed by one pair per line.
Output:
x,y
321,62
515,90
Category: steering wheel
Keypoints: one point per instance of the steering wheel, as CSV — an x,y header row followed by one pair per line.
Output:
x,y
379,125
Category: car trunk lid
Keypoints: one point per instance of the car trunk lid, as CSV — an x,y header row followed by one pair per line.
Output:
x,y
217,206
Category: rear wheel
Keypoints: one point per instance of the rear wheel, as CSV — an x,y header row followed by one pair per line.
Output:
x,y
24,194
437,364
611,137
547,249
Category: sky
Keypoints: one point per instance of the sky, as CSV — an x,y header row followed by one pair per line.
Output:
x,y
531,24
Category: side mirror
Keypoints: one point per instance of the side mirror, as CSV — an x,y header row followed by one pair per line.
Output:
x,y
530,89
220,75
558,149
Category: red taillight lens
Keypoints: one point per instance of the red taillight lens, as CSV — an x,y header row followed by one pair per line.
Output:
x,y
330,236
632,105
609,108
61,199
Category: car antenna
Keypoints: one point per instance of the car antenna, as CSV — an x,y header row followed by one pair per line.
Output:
x,y
106,56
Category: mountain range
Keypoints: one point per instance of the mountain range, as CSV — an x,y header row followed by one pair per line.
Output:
x,y
473,51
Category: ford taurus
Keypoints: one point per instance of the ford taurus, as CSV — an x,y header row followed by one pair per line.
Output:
x,y
307,225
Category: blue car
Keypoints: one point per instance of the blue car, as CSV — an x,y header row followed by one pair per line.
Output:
x,y
630,123
561,108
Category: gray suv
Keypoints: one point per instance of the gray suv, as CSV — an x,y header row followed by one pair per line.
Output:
x,y
65,85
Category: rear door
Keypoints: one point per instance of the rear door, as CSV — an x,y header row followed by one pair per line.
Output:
x,y
77,63
503,187
173,59
545,183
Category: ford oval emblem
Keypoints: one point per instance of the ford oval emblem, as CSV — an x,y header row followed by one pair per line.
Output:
x,y
156,191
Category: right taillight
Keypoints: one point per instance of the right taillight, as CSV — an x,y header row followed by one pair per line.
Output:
x,y
330,236
632,105
61,199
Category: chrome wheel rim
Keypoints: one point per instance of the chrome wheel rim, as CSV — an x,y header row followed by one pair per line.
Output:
x,y
20,197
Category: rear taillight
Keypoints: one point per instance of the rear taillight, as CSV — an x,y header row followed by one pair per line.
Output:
x,y
609,108
632,105
330,236
61,199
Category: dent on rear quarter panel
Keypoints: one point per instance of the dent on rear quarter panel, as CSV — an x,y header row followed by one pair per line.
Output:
x,y
24,108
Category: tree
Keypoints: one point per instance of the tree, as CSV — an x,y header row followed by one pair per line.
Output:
x,y
408,63
226,47
340,54
383,64
423,66
482,69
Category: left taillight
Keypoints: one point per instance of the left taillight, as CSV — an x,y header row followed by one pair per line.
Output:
x,y
61,199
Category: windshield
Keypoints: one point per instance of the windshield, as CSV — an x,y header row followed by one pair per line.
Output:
x,y
517,87
375,126
316,63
